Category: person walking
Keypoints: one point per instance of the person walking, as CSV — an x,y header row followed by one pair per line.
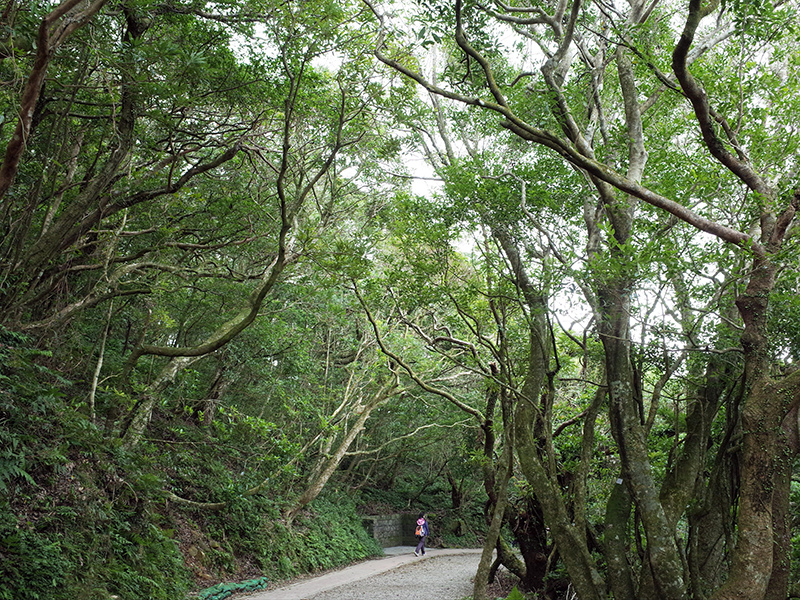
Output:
x,y
421,532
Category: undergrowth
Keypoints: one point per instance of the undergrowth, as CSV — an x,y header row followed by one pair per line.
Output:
x,y
82,520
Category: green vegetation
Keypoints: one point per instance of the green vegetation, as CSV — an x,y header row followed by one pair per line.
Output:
x,y
232,321
81,518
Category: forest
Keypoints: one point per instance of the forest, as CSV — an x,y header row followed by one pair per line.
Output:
x,y
530,266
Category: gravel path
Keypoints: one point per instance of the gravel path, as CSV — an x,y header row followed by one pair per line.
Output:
x,y
444,574
436,578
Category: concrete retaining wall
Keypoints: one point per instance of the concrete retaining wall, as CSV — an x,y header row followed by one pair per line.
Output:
x,y
392,530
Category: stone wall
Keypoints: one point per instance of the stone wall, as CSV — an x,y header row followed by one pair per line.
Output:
x,y
392,530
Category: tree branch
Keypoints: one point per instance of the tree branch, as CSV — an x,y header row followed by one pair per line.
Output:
x,y
403,437
571,154
702,108
407,368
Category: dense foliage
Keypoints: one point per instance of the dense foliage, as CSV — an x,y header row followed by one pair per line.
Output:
x,y
232,320
82,519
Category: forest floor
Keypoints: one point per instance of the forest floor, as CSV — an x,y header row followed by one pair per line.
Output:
x,y
444,574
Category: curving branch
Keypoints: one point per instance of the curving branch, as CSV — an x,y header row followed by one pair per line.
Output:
x,y
706,117
461,40
54,29
572,154
193,504
79,218
181,357
406,436
32,263
407,368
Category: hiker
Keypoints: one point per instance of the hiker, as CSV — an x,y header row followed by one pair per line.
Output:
x,y
421,532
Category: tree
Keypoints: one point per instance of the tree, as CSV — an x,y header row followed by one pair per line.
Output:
x,y
580,110
189,173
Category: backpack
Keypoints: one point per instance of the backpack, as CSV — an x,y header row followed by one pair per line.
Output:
x,y
420,531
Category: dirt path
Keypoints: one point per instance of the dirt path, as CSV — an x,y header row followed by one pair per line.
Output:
x,y
439,575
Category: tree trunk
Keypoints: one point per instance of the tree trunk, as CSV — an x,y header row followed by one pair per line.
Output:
x,y
206,410
502,478
662,558
456,494
586,579
710,528
616,542
778,585
571,543
528,420
767,403
329,464
530,532
751,565
54,29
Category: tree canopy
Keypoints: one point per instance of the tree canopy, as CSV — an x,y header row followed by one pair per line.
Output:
x,y
213,252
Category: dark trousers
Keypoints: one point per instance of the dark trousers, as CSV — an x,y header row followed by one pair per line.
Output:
x,y
420,545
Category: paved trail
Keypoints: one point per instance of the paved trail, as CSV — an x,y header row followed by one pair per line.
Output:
x,y
439,575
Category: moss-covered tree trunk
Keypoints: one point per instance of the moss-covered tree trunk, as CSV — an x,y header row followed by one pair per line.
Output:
x,y
764,445
781,510
662,560
501,479
616,540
